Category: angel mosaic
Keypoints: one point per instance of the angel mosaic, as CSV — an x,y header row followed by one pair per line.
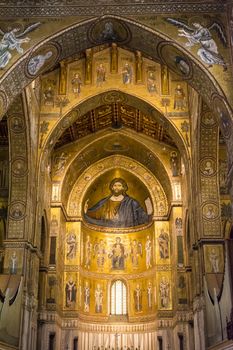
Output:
x,y
196,33
12,40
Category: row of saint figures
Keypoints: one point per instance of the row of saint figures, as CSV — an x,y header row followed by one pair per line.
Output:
x,y
119,253
76,84
99,297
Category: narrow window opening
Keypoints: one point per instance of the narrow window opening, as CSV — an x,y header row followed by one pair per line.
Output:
x,y
118,298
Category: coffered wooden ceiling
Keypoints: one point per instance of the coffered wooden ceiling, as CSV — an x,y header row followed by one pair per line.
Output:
x,y
116,116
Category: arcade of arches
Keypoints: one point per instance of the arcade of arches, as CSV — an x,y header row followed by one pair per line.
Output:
x,y
116,172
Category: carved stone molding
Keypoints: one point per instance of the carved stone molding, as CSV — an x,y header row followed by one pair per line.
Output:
x,y
89,175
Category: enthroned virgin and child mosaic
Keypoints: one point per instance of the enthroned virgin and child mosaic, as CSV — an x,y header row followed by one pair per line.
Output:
x,y
118,209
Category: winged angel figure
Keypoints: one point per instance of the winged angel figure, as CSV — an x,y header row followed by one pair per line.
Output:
x,y
197,34
12,40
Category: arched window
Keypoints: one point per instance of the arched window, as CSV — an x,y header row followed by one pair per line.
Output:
x,y
118,298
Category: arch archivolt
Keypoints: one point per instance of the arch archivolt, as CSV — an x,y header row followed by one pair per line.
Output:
x,y
147,105
77,156
76,115
79,37
81,186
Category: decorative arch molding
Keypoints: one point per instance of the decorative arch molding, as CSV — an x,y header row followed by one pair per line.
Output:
x,y
148,157
118,278
78,192
113,297
209,175
19,172
130,96
105,97
78,37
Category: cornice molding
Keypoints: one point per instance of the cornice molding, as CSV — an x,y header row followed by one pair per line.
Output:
x,y
64,8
